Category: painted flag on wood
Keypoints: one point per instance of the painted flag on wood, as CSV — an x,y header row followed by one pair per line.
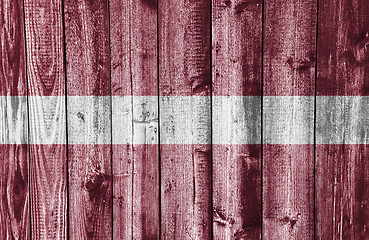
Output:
x,y
178,119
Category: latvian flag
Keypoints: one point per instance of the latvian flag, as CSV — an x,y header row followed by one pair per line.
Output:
x,y
184,119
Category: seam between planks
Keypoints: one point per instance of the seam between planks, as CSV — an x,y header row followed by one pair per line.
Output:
x,y
132,125
158,89
66,113
28,125
211,227
315,118
111,131
261,118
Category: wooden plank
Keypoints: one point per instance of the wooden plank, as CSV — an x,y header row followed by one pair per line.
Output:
x,y
288,153
14,191
122,161
133,26
48,162
184,83
14,203
341,169
89,118
236,61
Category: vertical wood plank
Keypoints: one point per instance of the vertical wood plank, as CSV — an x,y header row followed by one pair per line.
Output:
x,y
48,163
236,66
343,86
288,153
135,119
121,80
89,118
185,119
14,201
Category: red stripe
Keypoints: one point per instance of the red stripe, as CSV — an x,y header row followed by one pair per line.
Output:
x,y
87,48
90,191
236,190
343,68
136,190
12,57
185,190
288,190
342,190
14,201
48,191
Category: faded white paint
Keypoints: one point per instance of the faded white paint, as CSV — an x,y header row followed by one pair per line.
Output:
x,y
135,120
291,117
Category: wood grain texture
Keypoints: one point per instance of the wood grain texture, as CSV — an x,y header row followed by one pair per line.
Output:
x,y
184,70
289,48
48,164
236,68
89,118
236,47
121,80
89,191
341,191
342,48
133,26
341,169
12,51
14,201
288,197
237,191
289,70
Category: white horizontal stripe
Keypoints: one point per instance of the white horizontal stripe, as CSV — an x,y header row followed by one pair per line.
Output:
x,y
288,119
47,121
342,120
89,119
184,119
142,121
236,120
13,120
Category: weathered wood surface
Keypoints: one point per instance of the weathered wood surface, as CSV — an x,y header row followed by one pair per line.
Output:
x,y
133,34
288,122
14,200
236,72
89,119
148,119
47,128
185,119
341,164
